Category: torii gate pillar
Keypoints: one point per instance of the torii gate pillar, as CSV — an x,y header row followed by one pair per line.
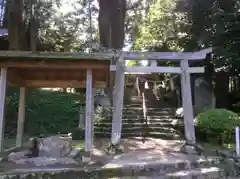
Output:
x,y
187,103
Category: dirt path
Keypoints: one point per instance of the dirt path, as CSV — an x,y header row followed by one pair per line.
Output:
x,y
133,147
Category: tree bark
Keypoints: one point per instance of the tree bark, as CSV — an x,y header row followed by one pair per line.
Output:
x,y
221,89
111,23
14,21
33,26
117,24
104,22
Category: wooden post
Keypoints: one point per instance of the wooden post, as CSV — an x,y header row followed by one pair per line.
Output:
x,y
21,116
187,102
3,83
89,114
93,111
118,103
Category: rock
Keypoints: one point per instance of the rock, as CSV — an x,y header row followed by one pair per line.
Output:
x,y
179,113
188,149
177,122
199,148
14,156
192,149
75,152
44,161
226,153
204,96
55,146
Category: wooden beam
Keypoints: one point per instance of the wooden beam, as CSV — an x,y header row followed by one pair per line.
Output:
x,y
21,117
57,64
62,84
3,84
14,79
58,55
135,69
170,56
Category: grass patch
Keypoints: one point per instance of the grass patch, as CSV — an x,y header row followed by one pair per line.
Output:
x,y
211,149
11,142
78,144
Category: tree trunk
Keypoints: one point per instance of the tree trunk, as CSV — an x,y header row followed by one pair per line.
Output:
x,y
221,89
14,21
117,24
33,26
111,28
111,23
104,22
17,29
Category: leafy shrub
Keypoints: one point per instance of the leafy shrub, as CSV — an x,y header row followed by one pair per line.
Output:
x,y
100,114
218,125
236,107
78,134
47,112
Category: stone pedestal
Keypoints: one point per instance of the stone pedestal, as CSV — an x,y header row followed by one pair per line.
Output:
x,y
204,96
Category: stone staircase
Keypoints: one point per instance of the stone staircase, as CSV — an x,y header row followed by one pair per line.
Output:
x,y
159,122
201,168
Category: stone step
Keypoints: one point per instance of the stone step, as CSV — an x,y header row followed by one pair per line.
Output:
x,y
167,136
161,168
132,122
157,118
139,106
133,169
148,108
141,120
150,114
139,115
136,124
137,129
198,173
136,116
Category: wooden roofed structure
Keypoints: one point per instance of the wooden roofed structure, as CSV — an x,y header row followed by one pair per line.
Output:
x,y
52,69
55,69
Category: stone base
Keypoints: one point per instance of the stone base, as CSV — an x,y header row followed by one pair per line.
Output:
x,y
192,149
86,159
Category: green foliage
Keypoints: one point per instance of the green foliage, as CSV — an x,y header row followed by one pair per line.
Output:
x,y
218,124
100,114
47,112
217,23
163,27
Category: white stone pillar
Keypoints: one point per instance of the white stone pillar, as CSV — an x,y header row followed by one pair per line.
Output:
x,y
187,102
118,103
21,117
3,84
88,143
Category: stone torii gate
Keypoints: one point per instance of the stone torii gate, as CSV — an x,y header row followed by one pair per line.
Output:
x,y
184,70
